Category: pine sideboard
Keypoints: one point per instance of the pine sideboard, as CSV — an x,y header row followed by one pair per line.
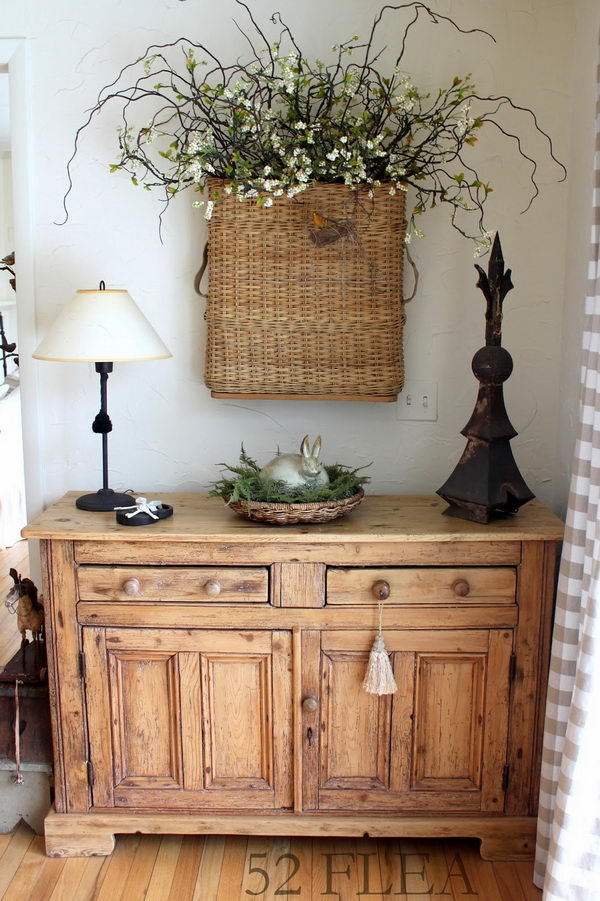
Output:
x,y
205,673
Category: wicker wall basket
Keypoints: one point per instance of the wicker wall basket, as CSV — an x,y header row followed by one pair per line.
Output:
x,y
305,298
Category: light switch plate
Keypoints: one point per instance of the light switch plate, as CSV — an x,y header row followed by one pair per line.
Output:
x,y
418,401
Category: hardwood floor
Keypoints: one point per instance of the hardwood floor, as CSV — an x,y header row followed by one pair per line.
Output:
x,y
228,868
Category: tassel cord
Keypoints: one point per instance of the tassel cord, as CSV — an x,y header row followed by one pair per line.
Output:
x,y
379,677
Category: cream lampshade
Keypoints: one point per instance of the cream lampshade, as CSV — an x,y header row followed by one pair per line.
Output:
x,y
102,327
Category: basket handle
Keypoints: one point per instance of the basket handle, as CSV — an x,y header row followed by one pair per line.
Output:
x,y
201,271
413,266
199,275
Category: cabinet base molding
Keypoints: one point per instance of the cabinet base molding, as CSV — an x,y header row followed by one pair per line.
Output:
x,y
93,834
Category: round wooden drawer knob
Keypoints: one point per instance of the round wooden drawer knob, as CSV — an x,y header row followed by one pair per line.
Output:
x,y
381,590
131,587
212,588
461,587
310,704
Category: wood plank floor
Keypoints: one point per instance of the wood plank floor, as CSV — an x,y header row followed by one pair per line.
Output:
x,y
228,868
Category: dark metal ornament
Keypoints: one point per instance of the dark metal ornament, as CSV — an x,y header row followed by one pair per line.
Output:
x,y
486,480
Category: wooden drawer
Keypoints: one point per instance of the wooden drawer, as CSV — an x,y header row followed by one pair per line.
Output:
x,y
435,585
220,584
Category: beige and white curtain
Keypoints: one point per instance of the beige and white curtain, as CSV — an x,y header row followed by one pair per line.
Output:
x,y
568,851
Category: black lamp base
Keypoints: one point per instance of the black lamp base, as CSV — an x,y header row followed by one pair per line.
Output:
x,y
103,500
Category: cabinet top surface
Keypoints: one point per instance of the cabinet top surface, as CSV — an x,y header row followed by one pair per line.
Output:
x,y
198,517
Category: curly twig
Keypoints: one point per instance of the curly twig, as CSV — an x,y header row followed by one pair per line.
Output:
x,y
280,120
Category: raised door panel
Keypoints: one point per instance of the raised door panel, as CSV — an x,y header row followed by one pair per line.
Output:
x,y
237,721
356,738
196,727
449,721
437,744
145,707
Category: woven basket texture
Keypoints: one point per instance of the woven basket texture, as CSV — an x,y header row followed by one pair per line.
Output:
x,y
288,313
288,514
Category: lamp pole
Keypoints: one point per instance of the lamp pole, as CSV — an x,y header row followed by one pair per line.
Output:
x,y
105,498
102,424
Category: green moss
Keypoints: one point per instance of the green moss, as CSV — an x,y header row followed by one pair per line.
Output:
x,y
245,483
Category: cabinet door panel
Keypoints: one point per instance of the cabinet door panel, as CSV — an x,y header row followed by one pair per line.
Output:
x,y
237,707
145,702
190,693
438,743
355,743
448,721
191,728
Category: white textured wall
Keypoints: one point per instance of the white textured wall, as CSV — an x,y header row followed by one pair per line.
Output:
x,y
168,431
7,295
582,129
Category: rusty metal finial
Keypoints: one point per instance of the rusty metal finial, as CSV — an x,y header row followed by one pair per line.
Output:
x,y
487,479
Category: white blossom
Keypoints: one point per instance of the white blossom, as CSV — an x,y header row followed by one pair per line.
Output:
x,y
464,122
483,244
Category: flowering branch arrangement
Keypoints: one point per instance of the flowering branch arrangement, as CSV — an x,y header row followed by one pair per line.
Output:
x,y
274,124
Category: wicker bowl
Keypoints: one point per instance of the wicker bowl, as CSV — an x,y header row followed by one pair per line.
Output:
x,y
288,514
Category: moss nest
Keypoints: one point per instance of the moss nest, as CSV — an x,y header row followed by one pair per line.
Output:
x,y
243,481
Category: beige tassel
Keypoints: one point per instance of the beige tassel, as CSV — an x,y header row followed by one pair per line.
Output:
x,y
379,678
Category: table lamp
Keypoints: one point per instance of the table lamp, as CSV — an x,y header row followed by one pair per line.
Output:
x,y
98,326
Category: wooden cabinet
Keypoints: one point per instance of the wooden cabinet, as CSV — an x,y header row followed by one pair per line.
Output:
x,y
206,674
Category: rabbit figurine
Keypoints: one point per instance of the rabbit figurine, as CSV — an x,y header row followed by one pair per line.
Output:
x,y
298,470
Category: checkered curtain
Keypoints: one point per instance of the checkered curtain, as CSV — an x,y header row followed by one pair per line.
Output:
x,y
568,851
